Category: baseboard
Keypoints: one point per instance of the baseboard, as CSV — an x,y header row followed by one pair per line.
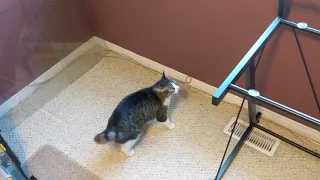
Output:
x,y
54,70
230,98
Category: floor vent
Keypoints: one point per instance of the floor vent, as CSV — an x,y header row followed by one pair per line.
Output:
x,y
258,139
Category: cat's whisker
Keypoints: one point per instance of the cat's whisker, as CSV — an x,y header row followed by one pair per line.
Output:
x,y
178,96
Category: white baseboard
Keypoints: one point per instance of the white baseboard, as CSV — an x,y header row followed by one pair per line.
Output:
x,y
32,87
230,98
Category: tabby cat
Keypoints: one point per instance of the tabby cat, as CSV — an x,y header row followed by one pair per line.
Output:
x,y
135,110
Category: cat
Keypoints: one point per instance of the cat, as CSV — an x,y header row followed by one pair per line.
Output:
x,y
135,110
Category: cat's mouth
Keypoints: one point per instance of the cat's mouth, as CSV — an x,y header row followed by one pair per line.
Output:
x,y
176,88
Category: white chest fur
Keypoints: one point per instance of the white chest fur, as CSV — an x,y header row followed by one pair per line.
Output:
x,y
167,101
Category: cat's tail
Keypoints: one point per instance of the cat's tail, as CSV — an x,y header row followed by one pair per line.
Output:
x,y
111,135
105,136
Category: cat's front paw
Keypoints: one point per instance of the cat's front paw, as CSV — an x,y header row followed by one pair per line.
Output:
x,y
129,153
171,125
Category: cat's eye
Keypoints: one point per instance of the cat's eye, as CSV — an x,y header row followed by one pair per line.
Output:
x,y
171,87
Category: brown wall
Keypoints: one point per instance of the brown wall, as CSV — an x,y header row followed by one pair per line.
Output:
x,y
35,35
206,39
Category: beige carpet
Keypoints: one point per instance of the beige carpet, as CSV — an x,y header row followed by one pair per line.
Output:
x,y
67,123
50,163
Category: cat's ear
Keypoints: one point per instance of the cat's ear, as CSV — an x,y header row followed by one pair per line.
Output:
x,y
164,75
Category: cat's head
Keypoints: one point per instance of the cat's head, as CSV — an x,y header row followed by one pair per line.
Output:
x,y
166,85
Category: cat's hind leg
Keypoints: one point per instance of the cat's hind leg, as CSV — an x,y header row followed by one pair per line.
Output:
x,y
127,147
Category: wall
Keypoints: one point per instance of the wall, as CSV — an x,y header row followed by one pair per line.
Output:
x,y
35,35
206,39
203,39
